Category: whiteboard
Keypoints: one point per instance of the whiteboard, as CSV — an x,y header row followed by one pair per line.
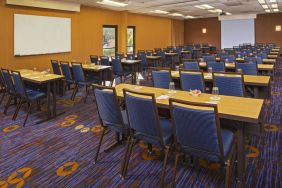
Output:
x,y
235,32
34,35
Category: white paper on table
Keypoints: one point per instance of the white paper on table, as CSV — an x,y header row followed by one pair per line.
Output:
x,y
162,97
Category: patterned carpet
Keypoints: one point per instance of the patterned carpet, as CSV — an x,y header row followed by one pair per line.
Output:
x,y
60,153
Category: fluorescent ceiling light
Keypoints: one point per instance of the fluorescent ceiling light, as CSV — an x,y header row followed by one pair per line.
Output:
x,y
267,10
189,17
276,10
272,1
261,1
112,3
264,6
199,6
159,11
274,6
176,14
228,13
206,6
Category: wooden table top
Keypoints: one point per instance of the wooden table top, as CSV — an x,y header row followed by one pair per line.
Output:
x,y
248,79
127,61
95,68
233,108
272,56
185,52
38,77
153,57
266,67
269,61
171,54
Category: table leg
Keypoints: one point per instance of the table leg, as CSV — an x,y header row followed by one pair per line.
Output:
x,y
54,99
256,92
48,99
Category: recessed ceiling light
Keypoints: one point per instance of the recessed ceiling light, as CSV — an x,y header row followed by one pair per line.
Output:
x,y
272,1
206,6
199,6
228,13
261,1
267,10
112,3
276,10
189,17
159,11
264,6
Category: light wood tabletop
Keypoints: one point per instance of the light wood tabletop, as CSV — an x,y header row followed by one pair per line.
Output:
x,y
272,56
248,79
38,77
96,68
127,61
266,67
153,57
233,108
171,54
269,61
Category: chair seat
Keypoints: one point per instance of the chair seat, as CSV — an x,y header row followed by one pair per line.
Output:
x,y
35,95
87,82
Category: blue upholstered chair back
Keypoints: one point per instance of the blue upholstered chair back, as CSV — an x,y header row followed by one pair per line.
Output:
x,y
143,117
191,65
94,59
196,131
250,60
142,57
116,65
130,56
161,79
161,54
149,53
105,60
209,58
8,81
247,68
192,80
19,85
216,66
231,85
228,58
262,55
56,67
78,73
66,71
108,110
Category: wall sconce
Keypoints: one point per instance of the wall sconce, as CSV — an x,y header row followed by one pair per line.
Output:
x,y
278,28
204,30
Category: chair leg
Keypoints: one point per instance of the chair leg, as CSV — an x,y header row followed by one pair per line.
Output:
x,y
17,109
38,105
7,104
128,158
74,92
175,169
164,166
28,112
125,157
86,94
2,98
99,146
227,174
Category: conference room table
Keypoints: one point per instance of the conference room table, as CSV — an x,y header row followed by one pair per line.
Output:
x,y
256,82
50,80
172,56
272,56
155,60
135,66
101,70
242,111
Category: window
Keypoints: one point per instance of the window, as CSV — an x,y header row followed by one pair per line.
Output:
x,y
131,39
110,42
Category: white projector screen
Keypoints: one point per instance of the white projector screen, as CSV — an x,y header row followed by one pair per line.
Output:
x,y
235,32
34,35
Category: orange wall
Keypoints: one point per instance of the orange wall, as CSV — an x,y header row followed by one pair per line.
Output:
x,y
151,32
177,32
193,31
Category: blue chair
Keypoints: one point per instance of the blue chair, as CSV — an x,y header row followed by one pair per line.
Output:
x,y
247,68
144,63
228,58
118,70
130,56
146,125
94,59
193,65
197,133
81,80
163,58
9,87
105,60
56,67
230,84
161,79
209,58
216,66
191,80
110,115
30,96
149,52
2,88
66,71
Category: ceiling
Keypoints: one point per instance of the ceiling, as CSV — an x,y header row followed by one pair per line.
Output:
x,y
185,7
